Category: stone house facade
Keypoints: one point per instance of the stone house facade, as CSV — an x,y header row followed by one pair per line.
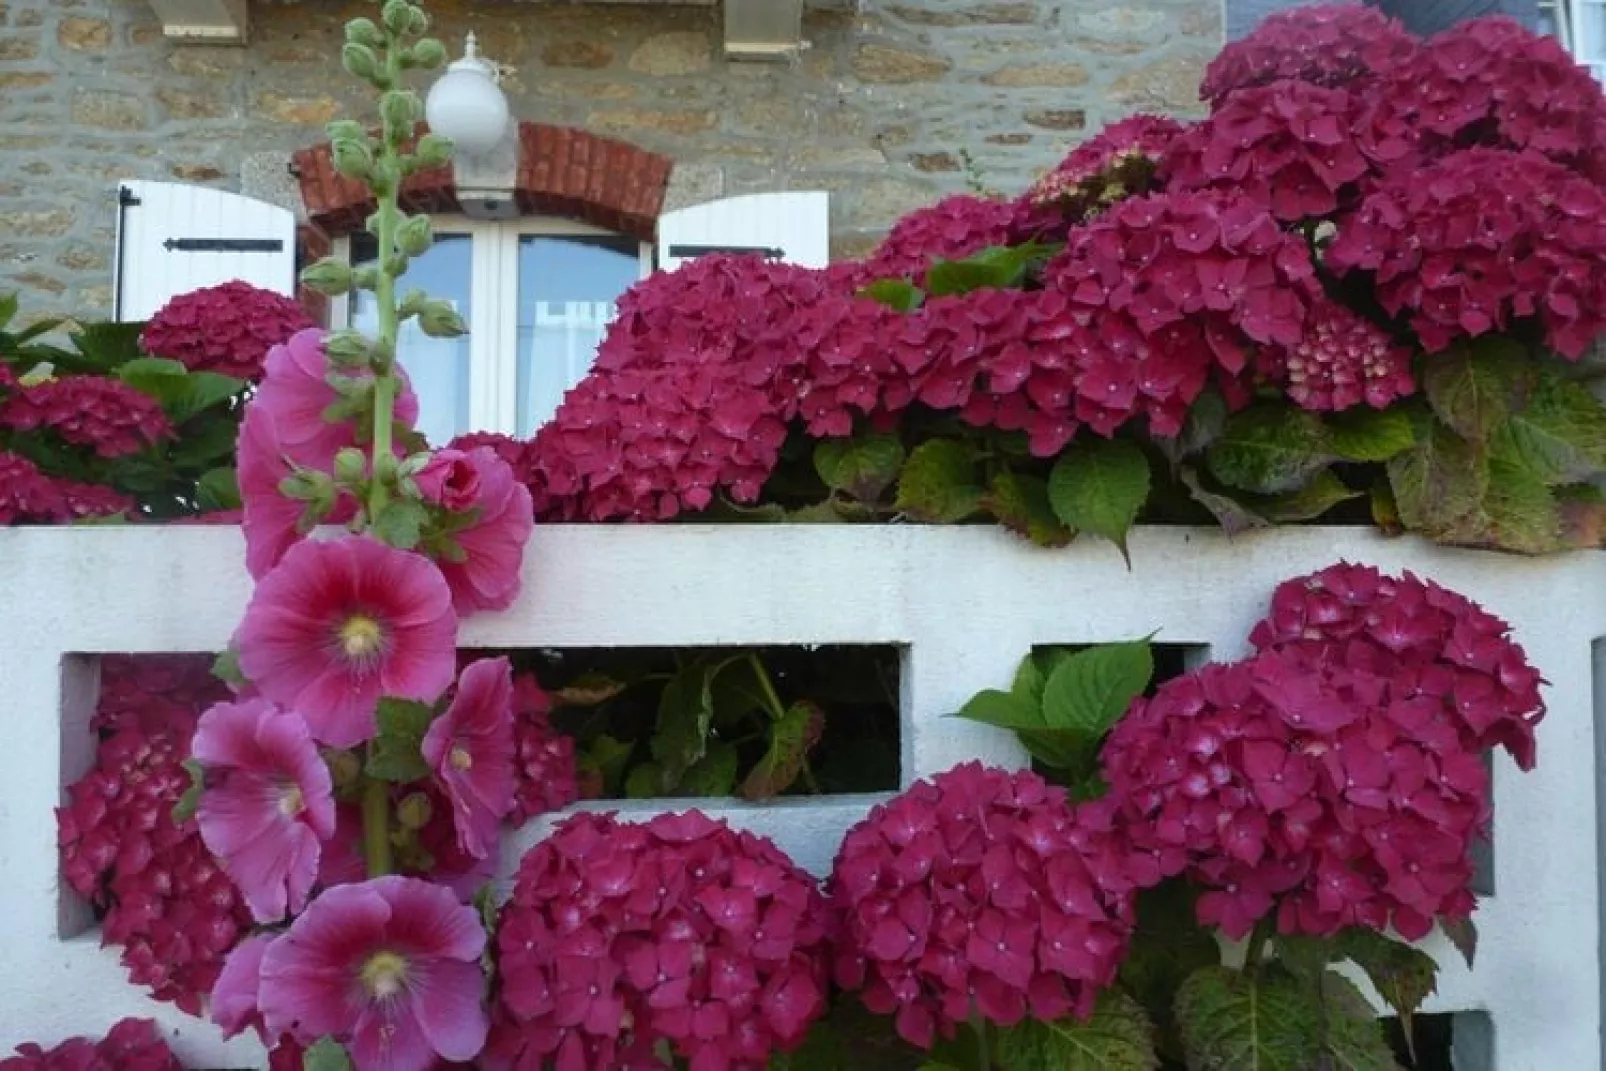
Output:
x,y
625,112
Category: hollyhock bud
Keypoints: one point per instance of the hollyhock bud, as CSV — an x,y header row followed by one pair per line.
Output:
x,y
330,276
438,319
429,53
449,479
433,150
361,32
413,237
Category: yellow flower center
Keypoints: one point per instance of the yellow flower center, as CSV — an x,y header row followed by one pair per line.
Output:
x,y
361,636
461,760
384,975
291,802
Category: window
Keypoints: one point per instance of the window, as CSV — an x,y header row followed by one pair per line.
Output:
x,y
1581,26
537,295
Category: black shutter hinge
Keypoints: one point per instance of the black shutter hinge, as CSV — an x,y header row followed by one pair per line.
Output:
x,y
683,252
126,197
223,245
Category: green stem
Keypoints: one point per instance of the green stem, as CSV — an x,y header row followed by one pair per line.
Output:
x,y
771,700
385,302
984,1053
376,827
1258,939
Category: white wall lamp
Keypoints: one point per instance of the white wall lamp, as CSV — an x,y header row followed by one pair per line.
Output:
x,y
467,105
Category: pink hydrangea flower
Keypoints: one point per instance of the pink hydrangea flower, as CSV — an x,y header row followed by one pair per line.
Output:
x,y
679,930
131,1045
337,625
470,747
268,802
1325,44
389,968
980,892
489,574
227,328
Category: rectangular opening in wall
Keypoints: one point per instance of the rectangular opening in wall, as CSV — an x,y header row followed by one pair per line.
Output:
x,y
126,723
707,723
1458,1041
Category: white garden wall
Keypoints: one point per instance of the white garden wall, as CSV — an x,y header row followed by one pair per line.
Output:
x,y
964,604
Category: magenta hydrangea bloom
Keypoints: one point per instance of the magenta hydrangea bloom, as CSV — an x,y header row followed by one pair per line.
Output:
x,y
1479,240
1117,162
227,328
1343,360
471,749
1325,44
952,229
267,805
489,572
337,625
1336,778
101,413
980,892
131,1045
389,968
680,930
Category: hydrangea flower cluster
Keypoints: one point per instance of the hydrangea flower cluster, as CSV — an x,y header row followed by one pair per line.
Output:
x,y
1337,776
1492,82
1430,640
679,930
1117,162
1342,360
1175,288
28,496
105,415
131,1045
227,329
952,229
1323,44
980,892
162,896
1479,239
1291,146
545,777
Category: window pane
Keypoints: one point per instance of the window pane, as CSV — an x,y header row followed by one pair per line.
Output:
x,y
438,367
1589,35
567,290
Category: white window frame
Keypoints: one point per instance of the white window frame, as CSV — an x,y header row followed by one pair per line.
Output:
x,y
1568,16
493,297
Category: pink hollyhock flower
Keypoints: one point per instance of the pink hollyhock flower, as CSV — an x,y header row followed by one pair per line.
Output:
x,y
389,968
234,997
296,390
487,574
268,802
272,521
470,748
337,625
449,479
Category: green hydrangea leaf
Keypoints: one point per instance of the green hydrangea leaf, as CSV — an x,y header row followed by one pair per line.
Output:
x,y
1270,448
938,485
218,489
996,267
1207,419
397,752
181,393
863,466
1353,1038
898,294
1098,486
711,776
1030,680
1366,434
1473,387
792,736
646,781
1021,504
1090,690
1314,499
1232,515
1116,1037
685,713
1403,976
608,757
1463,935
1455,493
1264,1020
1559,435
1168,944
1006,710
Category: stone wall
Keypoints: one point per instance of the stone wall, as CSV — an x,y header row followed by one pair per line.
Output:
x,y
883,109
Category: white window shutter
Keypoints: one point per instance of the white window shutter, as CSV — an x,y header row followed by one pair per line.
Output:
x,y
173,238
794,227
